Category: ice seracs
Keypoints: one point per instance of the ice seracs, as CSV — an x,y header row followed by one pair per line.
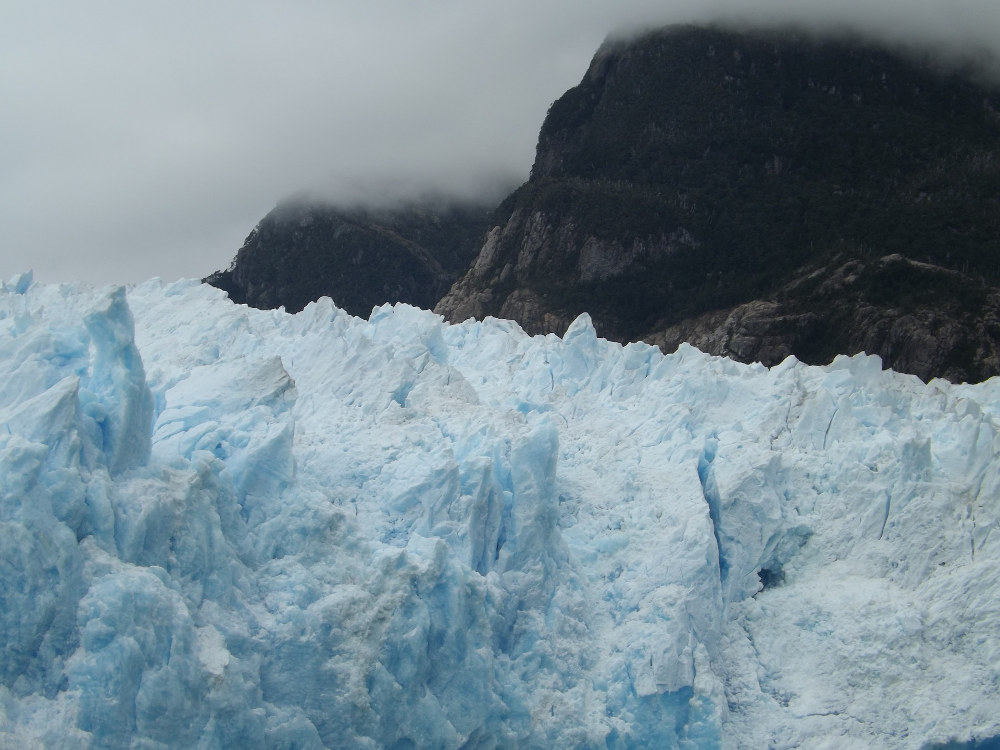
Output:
x,y
227,527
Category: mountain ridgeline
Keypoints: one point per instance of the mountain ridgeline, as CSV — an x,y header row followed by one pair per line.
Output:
x,y
360,257
755,193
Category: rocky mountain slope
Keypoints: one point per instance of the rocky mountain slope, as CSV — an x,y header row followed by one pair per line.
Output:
x,y
759,195
360,257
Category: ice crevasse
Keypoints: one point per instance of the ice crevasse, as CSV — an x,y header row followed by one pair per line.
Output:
x,y
225,527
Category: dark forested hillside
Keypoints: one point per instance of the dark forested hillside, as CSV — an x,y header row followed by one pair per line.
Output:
x,y
360,257
850,194
755,193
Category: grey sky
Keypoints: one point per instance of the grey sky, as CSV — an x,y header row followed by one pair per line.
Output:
x,y
147,139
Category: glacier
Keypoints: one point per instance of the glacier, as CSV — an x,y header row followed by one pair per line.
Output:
x,y
226,527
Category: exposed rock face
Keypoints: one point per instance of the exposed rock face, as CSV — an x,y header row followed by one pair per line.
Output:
x,y
954,337
361,258
759,195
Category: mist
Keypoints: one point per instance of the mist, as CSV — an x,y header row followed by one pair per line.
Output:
x,y
145,140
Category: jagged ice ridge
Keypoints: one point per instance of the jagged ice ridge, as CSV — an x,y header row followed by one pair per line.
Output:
x,y
226,527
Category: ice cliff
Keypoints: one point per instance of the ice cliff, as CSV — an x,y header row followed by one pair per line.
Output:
x,y
226,527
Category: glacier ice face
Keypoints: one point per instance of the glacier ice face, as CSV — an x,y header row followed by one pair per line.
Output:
x,y
225,527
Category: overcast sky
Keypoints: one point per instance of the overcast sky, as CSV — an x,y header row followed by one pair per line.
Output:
x,y
143,139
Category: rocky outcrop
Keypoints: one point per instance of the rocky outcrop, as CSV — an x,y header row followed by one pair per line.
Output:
x,y
956,337
759,194
360,257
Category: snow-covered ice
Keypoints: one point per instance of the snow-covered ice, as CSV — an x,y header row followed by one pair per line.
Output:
x,y
224,527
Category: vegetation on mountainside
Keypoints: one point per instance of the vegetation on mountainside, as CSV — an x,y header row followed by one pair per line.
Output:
x,y
774,153
359,257
695,170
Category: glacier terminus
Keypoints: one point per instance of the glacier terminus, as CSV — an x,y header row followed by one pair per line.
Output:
x,y
224,527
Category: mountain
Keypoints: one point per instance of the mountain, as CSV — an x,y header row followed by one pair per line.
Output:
x,y
361,257
755,193
223,527
760,194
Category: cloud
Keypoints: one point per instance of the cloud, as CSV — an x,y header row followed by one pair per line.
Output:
x,y
143,139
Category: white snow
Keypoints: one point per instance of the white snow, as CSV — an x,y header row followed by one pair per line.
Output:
x,y
223,527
